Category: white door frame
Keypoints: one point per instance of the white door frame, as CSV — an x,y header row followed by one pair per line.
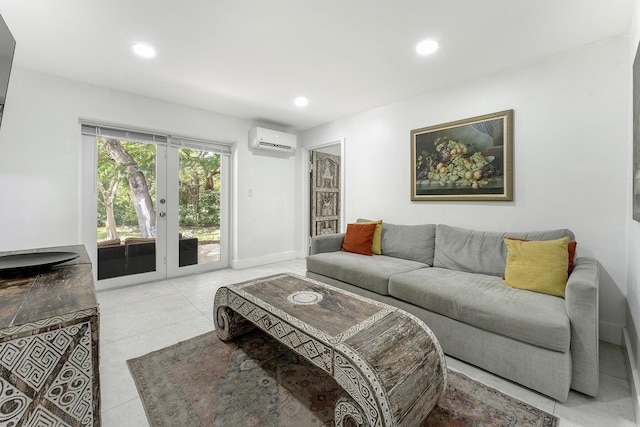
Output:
x,y
306,193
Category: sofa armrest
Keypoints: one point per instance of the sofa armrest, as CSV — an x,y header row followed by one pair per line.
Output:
x,y
326,243
581,297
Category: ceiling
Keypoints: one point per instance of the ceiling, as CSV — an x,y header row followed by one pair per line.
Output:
x,y
251,58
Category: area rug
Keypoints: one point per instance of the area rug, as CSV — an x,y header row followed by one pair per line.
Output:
x,y
255,381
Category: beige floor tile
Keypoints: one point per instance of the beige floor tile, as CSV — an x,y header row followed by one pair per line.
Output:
x,y
116,297
613,360
612,407
128,414
134,318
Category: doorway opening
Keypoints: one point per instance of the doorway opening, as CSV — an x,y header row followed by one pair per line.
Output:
x,y
326,189
158,207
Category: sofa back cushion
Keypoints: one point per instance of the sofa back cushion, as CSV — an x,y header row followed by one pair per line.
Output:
x,y
412,242
483,252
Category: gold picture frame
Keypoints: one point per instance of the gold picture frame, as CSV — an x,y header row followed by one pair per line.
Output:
x,y
465,160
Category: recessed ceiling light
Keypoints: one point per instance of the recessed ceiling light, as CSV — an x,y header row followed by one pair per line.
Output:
x,y
427,47
301,101
144,50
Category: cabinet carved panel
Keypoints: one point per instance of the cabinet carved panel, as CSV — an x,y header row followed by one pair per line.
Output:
x,y
49,374
49,377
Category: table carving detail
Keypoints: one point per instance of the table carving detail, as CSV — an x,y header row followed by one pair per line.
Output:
x,y
312,349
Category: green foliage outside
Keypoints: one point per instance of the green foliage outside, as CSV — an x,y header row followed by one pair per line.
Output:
x,y
198,190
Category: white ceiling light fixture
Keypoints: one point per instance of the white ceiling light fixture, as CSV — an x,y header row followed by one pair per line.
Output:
x,y
427,47
301,101
144,50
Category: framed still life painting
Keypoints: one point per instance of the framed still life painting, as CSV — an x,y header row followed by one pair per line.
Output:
x,y
468,160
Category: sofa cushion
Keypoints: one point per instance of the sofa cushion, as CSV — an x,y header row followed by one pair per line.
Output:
x,y
483,252
367,272
538,265
485,302
412,242
112,242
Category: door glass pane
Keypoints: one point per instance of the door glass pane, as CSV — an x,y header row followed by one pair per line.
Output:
x,y
199,207
126,191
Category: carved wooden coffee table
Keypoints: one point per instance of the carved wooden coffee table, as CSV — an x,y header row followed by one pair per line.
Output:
x,y
388,361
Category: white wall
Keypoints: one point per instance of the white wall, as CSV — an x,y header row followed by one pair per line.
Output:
x,y
570,157
40,165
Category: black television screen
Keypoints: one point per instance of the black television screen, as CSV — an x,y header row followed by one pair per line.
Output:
x,y
7,47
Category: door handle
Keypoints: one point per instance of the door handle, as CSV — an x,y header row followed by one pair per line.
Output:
x,y
162,214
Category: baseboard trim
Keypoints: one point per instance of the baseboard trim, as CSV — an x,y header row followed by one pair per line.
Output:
x,y
634,381
239,264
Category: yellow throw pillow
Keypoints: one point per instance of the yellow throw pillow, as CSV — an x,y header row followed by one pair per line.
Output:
x,y
537,265
376,247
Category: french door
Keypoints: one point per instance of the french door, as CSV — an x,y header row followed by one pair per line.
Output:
x,y
154,206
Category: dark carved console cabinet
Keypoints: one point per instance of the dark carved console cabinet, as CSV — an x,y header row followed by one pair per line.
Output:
x,y
49,372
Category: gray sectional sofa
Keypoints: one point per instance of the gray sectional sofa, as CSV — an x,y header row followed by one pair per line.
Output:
x,y
451,278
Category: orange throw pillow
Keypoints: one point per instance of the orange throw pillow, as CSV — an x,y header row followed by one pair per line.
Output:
x,y
572,252
359,238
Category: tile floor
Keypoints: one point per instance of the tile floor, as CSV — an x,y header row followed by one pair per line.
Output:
x,y
143,318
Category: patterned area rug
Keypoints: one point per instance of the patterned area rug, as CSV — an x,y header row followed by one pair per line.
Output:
x,y
255,381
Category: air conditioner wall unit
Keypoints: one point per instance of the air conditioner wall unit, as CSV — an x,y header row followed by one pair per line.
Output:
x,y
272,140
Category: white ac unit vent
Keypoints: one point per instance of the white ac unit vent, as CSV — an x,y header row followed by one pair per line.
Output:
x,y
272,140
